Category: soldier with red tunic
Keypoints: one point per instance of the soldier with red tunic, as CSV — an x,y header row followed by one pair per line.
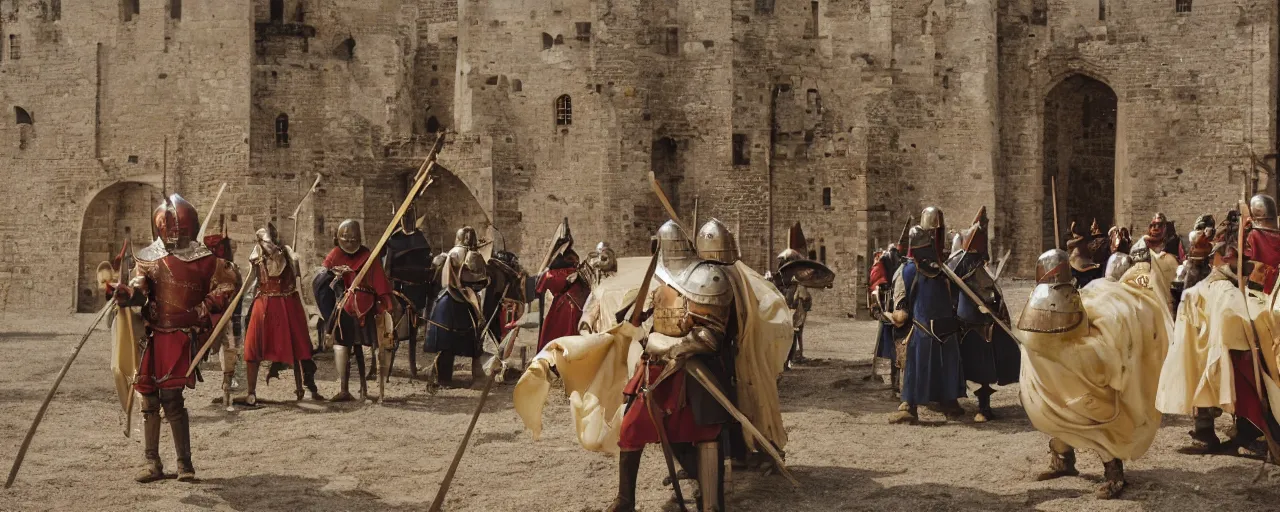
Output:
x,y
1264,239
182,289
358,320
278,330
569,293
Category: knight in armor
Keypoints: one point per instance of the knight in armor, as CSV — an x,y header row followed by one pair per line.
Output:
x,y
922,300
1081,248
232,343
278,330
504,299
601,264
693,320
182,289
568,289
369,304
407,259
1091,365
798,297
1210,366
1198,264
1264,239
1154,248
1121,241
880,301
1099,244
456,325
990,355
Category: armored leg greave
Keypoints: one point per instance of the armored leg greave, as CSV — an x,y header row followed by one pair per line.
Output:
x,y
342,358
1062,461
175,411
628,471
151,439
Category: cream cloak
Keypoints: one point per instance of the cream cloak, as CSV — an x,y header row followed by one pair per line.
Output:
x,y
1095,388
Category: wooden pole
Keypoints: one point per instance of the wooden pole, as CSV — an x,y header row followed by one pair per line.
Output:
x,y
1053,187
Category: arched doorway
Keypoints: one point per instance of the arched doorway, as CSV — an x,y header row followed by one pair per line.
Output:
x,y
118,213
446,206
1080,155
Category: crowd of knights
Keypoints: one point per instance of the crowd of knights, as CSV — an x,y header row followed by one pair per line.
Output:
x,y
1114,334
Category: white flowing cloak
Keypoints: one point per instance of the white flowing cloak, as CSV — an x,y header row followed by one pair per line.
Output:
x,y
595,367
1096,389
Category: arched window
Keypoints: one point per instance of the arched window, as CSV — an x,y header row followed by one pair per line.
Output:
x,y
175,9
21,116
277,11
517,85
433,124
15,47
564,111
282,131
26,127
547,41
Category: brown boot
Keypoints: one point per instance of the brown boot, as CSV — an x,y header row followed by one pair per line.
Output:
x,y
908,416
151,440
1114,483
628,471
1062,461
175,411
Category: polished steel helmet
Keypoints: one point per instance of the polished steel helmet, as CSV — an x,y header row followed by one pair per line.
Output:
x,y
603,258
716,243
675,248
466,237
1117,265
931,218
1054,305
1262,211
349,238
175,222
789,255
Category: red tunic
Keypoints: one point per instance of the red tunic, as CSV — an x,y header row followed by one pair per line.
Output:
x,y
374,288
1264,247
179,291
566,304
278,325
877,275
1247,405
669,404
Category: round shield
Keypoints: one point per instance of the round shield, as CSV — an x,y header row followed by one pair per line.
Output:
x,y
807,273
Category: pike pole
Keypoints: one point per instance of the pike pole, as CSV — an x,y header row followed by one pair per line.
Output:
x,y
31,432
421,182
294,215
1053,189
205,224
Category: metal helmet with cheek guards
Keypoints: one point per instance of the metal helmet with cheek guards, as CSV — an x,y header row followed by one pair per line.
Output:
x,y
1262,211
675,249
603,258
1054,305
716,243
466,237
922,245
175,222
349,238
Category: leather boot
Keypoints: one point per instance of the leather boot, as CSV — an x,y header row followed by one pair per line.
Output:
x,y
1114,482
1062,461
910,415
360,369
154,469
1204,438
309,379
251,369
175,411
342,358
985,413
628,471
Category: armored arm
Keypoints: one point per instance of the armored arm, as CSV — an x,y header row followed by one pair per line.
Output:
x,y
899,314
136,292
223,285
699,340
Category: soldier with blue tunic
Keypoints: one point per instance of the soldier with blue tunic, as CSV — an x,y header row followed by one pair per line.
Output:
x,y
923,302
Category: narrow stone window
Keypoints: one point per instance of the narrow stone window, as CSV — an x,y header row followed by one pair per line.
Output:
x,y
517,85
1182,6
764,6
584,31
564,111
175,9
741,150
559,38
811,28
282,131
672,41
826,197
1102,10
350,46
15,47
547,41
129,9
433,124
277,11
26,127
822,254
55,7
301,15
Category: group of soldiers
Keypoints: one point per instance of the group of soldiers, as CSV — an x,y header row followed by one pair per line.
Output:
x,y
1116,333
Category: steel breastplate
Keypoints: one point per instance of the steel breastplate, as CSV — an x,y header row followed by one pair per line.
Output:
x,y
177,287
676,315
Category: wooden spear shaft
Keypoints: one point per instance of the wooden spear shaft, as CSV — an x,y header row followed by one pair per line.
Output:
x,y
1053,189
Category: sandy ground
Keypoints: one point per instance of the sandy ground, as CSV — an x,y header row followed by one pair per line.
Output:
x,y
316,456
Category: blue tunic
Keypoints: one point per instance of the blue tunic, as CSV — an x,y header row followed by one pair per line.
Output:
x,y
452,328
998,361
933,372
885,348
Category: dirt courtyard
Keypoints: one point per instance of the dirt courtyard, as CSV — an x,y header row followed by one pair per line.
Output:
x,y
318,456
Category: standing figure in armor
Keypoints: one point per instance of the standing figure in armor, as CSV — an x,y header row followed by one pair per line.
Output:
x,y
1264,238
1153,248
798,297
880,299
568,290
358,320
990,355
278,330
1091,366
1081,248
183,290
231,344
693,320
407,259
1198,263
456,322
504,301
602,263
923,300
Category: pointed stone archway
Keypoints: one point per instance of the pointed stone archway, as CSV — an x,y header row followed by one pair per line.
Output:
x,y
1079,153
117,213
447,206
